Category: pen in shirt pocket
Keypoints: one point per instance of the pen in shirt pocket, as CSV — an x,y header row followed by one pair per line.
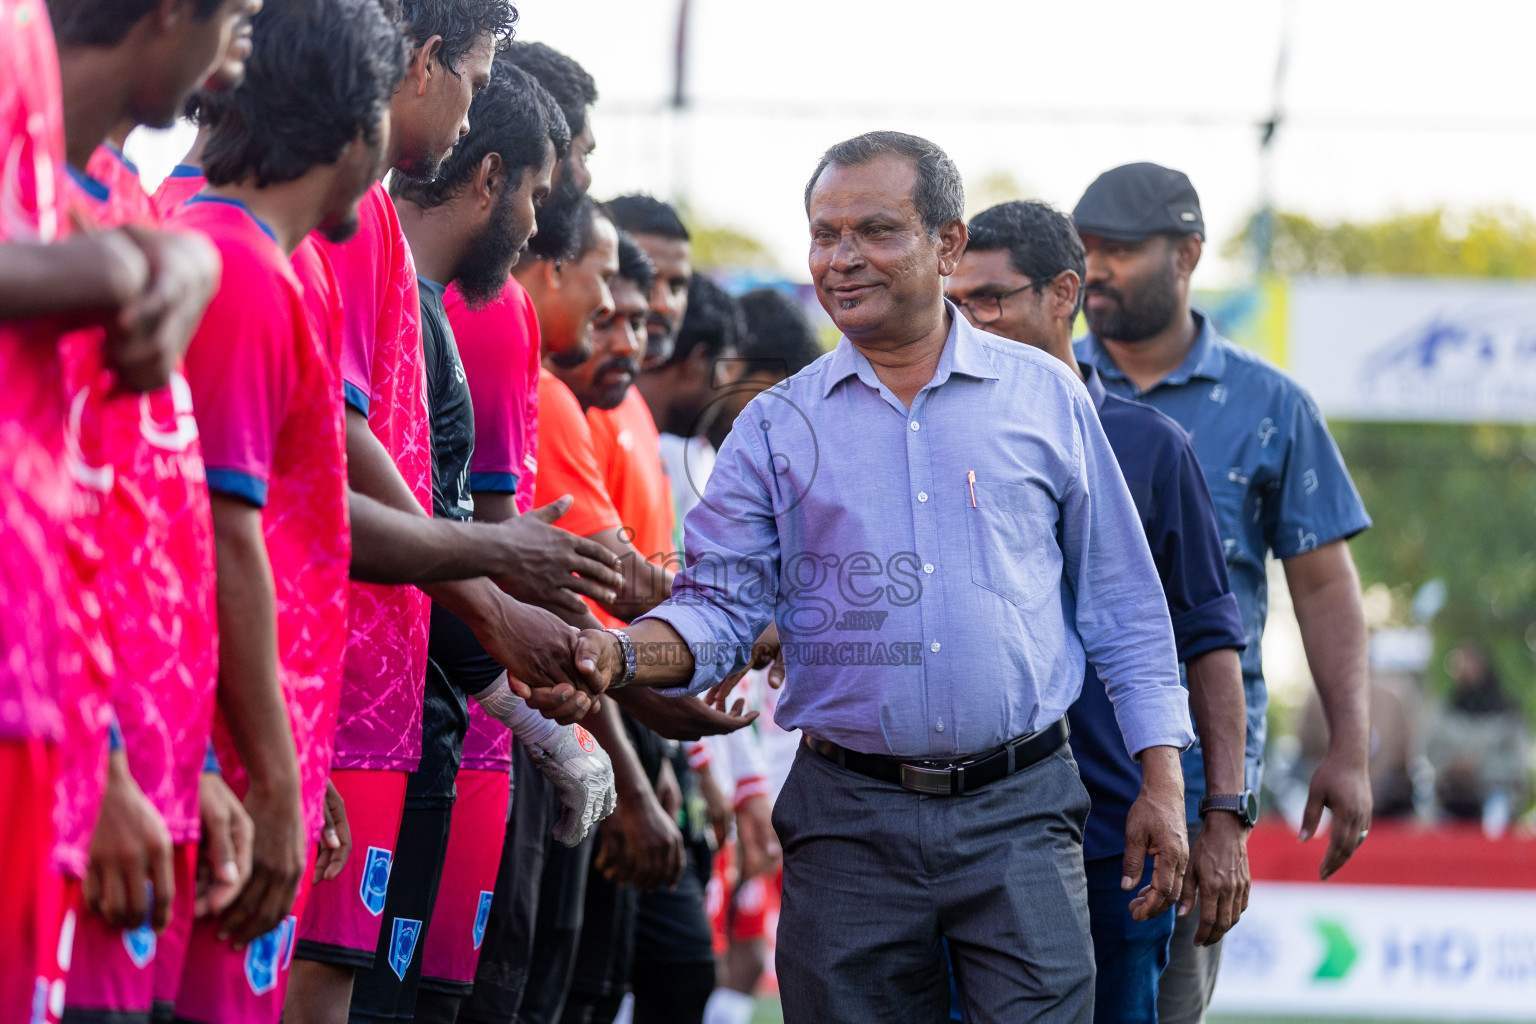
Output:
x,y
970,483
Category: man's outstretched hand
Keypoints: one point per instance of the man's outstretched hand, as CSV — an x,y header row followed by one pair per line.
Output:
x,y
767,653
549,664
553,568
1155,828
682,718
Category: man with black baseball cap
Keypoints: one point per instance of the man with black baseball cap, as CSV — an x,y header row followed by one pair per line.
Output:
x,y
1279,485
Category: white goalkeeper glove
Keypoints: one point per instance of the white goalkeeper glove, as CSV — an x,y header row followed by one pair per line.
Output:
x,y
567,755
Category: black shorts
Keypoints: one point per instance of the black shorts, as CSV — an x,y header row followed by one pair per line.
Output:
x,y
506,952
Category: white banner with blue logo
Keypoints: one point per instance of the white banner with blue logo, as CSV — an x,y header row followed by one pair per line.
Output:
x,y
1414,349
1381,951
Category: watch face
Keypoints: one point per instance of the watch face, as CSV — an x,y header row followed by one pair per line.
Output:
x,y
1250,807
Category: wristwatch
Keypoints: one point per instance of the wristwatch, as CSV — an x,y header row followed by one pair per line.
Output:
x,y
631,664
1245,805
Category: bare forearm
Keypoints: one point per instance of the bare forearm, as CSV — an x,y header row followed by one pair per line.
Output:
x,y
249,692
1217,702
1160,769
96,272
664,658
390,545
394,540
1325,591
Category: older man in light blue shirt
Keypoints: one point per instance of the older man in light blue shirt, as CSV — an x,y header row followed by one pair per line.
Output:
x,y
936,523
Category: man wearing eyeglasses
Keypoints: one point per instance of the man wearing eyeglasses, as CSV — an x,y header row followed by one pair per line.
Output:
x,y
1021,278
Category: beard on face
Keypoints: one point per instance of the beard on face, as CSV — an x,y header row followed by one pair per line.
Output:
x,y
569,359
559,234
660,339
612,395
341,231
487,262
1139,315
421,164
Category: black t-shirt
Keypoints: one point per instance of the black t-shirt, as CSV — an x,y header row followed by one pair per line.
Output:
x,y
458,666
453,415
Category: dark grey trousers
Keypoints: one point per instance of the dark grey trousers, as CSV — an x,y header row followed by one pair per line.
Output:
x,y
875,875
1189,980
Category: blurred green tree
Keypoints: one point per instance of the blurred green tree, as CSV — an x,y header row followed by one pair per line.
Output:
x,y
1486,242
1453,501
722,247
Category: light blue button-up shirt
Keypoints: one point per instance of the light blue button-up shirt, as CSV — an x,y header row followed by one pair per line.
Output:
x,y
937,573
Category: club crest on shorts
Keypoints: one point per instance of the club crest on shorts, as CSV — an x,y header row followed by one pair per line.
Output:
x,y
269,955
140,944
375,884
482,915
402,945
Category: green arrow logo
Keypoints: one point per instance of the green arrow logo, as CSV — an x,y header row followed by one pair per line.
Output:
x,y
1339,954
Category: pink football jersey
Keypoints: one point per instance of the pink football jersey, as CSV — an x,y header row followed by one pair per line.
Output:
x,y
383,376
265,387
34,489
181,184
154,531
499,346
126,202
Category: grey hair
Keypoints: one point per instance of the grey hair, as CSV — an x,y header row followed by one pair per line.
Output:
x,y
939,193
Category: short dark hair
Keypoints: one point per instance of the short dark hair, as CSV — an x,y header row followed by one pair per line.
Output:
x,y
1040,240
939,193
320,75
714,320
780,338
506,118
634,264
98,23
459,22
566,80
646,215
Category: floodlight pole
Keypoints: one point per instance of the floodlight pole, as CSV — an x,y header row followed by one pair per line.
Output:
x,y
679,106
1262,236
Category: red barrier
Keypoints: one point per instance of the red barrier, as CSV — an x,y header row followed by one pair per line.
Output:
x,y
1401,853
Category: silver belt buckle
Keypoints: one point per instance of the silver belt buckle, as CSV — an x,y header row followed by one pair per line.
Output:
x,y
934,781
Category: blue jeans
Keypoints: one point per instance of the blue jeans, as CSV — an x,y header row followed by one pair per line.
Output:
x,y
1129,955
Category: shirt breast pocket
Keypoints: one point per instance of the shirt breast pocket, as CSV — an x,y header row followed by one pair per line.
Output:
x,y
1014,552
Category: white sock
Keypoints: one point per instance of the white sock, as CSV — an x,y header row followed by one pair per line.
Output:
x,y
498,701
727,1006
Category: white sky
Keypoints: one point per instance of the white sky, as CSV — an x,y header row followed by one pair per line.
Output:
x,y
1391,105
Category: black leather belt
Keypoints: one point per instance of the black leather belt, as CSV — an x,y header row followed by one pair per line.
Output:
x,y
950,778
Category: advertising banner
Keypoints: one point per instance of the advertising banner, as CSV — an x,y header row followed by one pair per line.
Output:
x,y
1415,348
1402,953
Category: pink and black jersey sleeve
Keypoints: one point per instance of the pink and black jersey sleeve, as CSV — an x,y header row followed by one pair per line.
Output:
x,y
494,345
241,375
374,269
126,202
181,184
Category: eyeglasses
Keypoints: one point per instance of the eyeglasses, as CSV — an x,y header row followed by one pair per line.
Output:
x,y
988,309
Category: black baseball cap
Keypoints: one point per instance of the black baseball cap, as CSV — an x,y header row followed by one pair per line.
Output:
x,y
1137,201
